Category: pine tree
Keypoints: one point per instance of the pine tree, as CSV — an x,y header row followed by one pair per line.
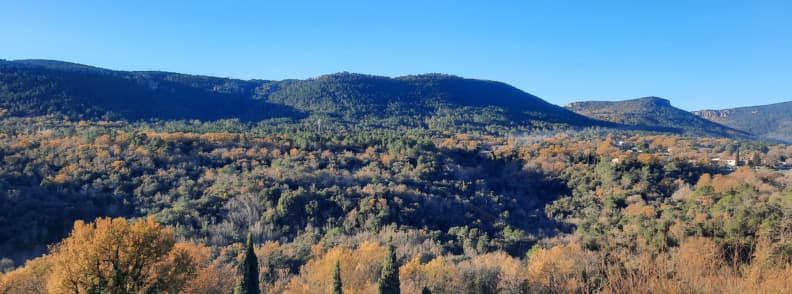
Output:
x,y
337,286
389,277
249,270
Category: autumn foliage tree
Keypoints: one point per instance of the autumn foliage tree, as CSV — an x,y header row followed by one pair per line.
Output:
x,y
359,271
119,256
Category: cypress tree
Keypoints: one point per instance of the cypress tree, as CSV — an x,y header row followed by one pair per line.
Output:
x,y
337,286
389,277
249,270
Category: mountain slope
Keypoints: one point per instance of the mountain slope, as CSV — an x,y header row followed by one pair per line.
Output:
x,y
42,87
357,96
652,113
772,121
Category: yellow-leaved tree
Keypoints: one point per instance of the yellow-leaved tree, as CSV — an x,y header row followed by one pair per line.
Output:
x,y
360,268
120,256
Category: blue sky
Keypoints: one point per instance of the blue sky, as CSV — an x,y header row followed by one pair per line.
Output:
x,y
698,54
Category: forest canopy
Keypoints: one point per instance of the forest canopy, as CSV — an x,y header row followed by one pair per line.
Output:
x,y
465,211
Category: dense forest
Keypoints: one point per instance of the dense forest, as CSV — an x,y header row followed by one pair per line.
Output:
x,y
488,212
344,187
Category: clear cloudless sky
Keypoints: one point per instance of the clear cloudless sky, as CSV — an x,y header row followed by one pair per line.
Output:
x,y
699,54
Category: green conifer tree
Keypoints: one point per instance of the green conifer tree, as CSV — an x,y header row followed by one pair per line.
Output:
x,y
249,269
389,277
337,286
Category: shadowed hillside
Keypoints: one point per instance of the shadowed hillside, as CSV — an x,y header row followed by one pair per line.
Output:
x,y
36,87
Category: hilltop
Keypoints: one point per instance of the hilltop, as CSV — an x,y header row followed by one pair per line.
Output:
x,y
653,113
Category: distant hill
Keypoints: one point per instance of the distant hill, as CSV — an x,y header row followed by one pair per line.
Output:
x,y
425,96
772,121
652,113
44,87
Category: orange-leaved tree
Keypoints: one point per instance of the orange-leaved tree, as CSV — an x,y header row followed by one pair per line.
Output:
x,y
118,256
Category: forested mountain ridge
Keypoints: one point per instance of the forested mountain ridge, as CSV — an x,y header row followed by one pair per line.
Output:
x,y
41,87
771,121
44,87
653,113
367,95
76,91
